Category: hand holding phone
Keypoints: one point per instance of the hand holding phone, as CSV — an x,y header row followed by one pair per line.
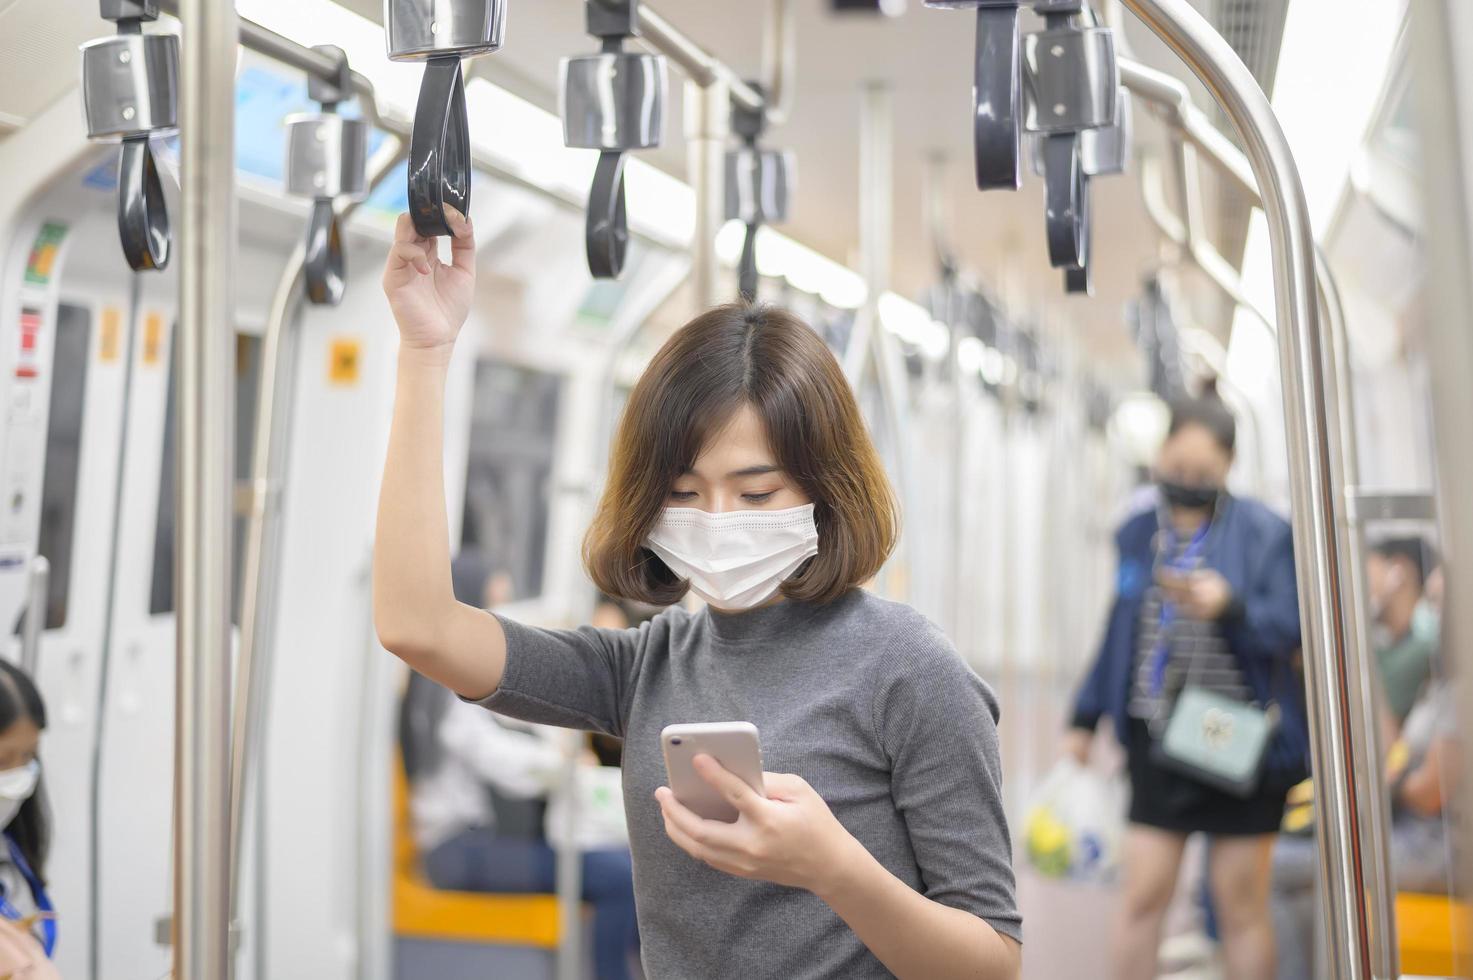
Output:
x,y
734,744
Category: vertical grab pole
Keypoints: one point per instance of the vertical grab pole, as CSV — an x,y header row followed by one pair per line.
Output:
x,y
206,339
707,128
1367,748
1309,417
1442,37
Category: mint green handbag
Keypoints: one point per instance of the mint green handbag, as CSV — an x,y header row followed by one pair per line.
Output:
x,y
1217,741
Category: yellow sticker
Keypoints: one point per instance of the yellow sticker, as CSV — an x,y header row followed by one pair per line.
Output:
x,y
342,365
153,338
110,334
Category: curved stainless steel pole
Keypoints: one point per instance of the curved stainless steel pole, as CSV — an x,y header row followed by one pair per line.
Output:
x,y
268,465
1322,598
1368,751
1442,37
206,435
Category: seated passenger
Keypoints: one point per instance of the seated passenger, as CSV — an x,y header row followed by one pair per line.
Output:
x,y
1419,771
1405,636
28,932
478,800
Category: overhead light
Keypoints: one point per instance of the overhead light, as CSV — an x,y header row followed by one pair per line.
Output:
x,y
969,354
1138,426
911,323
993,366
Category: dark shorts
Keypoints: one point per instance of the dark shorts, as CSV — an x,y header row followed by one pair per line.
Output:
x,y
1171,801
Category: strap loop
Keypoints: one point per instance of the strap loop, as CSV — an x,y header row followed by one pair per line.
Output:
x,y
439,149
325,267
997,99
1066,203
606,234
747,267
143,218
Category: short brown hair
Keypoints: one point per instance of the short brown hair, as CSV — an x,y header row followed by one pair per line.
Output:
x,y
768,358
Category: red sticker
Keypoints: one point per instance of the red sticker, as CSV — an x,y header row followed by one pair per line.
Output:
x,y
25,371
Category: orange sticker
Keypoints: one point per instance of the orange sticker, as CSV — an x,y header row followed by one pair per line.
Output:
x,y
153,338
110,334
342,364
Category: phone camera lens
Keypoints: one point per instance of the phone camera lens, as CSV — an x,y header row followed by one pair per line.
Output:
x,y
675,740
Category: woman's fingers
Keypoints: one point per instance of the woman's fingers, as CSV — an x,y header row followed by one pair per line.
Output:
x,y
727,783
463,242
712,835
408,255
784,785
404,229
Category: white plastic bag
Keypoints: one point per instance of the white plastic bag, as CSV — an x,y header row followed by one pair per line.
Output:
x,y
1074,824
599,810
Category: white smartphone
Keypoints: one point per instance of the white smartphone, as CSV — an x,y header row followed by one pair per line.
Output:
x,y
734,744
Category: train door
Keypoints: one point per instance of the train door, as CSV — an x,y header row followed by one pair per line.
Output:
x,y
67,320
136,757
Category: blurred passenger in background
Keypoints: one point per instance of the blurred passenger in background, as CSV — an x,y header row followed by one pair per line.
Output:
x,y
28,931
480,785
1406,623
1420,771
1206,599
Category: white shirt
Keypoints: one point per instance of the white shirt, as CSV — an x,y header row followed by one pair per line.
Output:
x,y
479,749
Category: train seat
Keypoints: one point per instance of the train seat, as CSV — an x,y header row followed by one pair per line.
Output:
x,y
1434,933
425,913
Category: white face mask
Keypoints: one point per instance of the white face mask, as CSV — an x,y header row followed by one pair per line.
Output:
x,y
738,559
16,786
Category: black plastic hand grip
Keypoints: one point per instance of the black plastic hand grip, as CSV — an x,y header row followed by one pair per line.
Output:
x,y
1066,201
747,267
997,99
606,234
143,218
325,267
439,149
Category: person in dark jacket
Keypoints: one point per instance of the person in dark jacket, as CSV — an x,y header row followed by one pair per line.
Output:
x,y
1205,594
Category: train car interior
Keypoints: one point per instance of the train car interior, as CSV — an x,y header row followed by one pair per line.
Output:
x,y
1028,231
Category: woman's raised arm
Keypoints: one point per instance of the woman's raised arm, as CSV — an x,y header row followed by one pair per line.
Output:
x,y
415,611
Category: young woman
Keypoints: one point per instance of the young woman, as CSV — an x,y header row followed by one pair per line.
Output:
x,y
741,471
1206,595
24,904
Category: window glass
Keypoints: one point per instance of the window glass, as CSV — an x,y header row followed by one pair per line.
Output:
x,y
509,473
247,389
63,455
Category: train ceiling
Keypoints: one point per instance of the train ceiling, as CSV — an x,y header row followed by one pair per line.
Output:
x,y
924,53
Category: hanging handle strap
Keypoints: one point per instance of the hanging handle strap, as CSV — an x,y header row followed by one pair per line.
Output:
x,y
143,218
606,234
747,267
439,149
325,268
1066,201
997,99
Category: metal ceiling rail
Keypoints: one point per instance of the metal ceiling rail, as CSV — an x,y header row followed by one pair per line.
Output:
x,y
1313,431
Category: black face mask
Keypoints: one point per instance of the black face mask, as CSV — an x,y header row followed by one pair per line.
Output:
x,y
1188,496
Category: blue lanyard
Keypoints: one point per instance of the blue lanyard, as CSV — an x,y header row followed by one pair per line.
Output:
x,y
1161,655
47,913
